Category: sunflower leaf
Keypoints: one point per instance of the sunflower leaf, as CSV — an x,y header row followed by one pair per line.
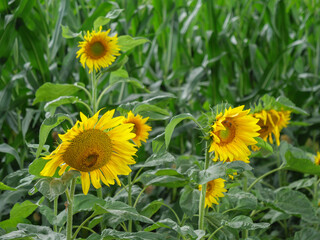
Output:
x,y
5,187
126,42
244,223
101,21
67,33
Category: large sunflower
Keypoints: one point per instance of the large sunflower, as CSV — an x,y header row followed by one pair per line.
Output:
x,y
271,123
232,133
98,50
98,149
140,128
317,159
214,191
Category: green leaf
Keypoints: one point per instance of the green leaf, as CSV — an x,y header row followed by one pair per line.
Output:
x,y
36,166
263,144
120,212
150,209
298,160
240,166
302,183
67,33
123,59
11,225
47,125
307,233
274,216
151,111
48,213
245,223
150,178
52,105
126,42
51,187
213,172
173,123
157,159
189,201
101,21
242,200
23,210
49,91
5,148
86,202
5,187
114,234
295,203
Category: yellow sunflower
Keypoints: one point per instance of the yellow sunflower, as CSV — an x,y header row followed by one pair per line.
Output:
x,y
214,191
317,159
98,50
232,133
272,122
98,149
140,128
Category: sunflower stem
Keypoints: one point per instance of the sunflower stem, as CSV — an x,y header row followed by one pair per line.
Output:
x,y
70,197
94,92
129,201
82,225
55,212
203,191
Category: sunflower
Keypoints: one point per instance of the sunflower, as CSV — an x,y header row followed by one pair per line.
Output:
x,y
140,128
272,122
98,50
232,133
317,159
98,149
214,191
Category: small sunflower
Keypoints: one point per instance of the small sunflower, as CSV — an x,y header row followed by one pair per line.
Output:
x,y
215,190
272,122
232,133
140,128
98,50
98,149
317,159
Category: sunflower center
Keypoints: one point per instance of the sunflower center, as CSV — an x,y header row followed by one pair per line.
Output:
x,y
97,49
228,134
88,151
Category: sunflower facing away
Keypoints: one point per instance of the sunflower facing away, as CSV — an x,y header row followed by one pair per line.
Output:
x,y
272,122
232,133
98,149
317,159
140,128
98,50
215,190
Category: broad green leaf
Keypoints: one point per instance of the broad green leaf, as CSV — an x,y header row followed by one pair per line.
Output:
x,y
67,33
86,202
5,148
298,160
11,224
239,166
114,234
242,200
5,187
126,42
123,59
95,221
295,203
120,212
189,201
150,178
213,172
101,21
49,91
41,232
51,187
307,233
273,216
48,213
47,125
23,210
152,111
173,123
36,166
157,159
245,223
303,183
52,105
118,75
263,144
150,209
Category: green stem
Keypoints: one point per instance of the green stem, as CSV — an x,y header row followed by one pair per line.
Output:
x,y
55,212
82,225
136,202
84,89
315,190
203,192
129,201
87,106
215,232
70,197
264,175
94,91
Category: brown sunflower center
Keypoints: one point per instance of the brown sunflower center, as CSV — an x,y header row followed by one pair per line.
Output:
x,y
88,151
97,49
229,133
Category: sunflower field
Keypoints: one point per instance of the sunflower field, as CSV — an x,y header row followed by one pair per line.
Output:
x,y
159,119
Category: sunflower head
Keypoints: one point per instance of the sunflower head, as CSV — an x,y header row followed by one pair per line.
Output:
x,y
317,159
232,133
98,50
271,123
140,128
99,149
214,191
